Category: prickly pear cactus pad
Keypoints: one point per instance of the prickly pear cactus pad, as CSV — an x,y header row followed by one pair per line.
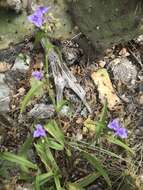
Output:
x,y
105,22
13,27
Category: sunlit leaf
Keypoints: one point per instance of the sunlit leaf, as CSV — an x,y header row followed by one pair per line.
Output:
x,y
53,144
57,182
73,186
53,129
87,180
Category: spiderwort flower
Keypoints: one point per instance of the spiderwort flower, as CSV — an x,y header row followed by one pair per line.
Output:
x,y
39,132
37,75
42,10
115,124
122,133
37,17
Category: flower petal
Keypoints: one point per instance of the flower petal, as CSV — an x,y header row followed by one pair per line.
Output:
x,y
39,132
122,133
114,124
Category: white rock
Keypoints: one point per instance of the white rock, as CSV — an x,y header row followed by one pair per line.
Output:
x,y
4,95
20,65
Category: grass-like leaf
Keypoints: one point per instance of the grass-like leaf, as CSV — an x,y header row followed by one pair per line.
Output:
x,y
57,182
46,156
74,186
101,124
120,143
31,93
53,129
42,179
25,147
87,180
97,165
52,143
17,160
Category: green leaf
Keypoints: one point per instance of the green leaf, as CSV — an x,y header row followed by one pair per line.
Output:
x,y
46,44
120,143
97,165
42,179
24,150
31,93
25,147
46,156
101,124
57,182
73,186
38,36
111,154
17,160
53,129
40,92
87,180
53,144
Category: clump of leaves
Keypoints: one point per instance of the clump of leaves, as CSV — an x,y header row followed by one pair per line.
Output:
x,y
50,175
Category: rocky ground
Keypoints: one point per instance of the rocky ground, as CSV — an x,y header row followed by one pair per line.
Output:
x,y
121,84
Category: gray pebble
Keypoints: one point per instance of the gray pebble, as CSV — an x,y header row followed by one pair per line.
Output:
x,y
42,111
124,71
4,95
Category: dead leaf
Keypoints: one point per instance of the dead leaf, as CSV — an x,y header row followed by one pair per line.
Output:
x,y
105,88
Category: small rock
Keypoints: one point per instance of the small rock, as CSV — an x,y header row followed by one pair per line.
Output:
x,y
141,99
42,111
4,95
20,65
13,78
139,132
65,111
84,112
79,136
124,71
140,39
102,63
71,54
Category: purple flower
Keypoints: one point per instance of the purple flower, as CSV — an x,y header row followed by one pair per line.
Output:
x,y
39,132
37,75
115,124
36,19
42,10
122,133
